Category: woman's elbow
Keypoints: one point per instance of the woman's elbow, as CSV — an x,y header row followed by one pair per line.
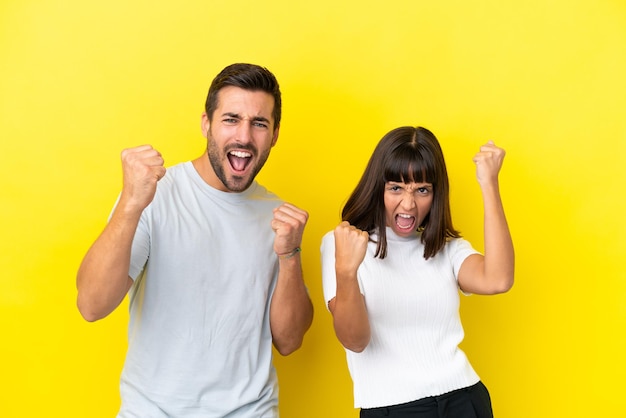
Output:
x,y
502,286
356,348
356,344
353,337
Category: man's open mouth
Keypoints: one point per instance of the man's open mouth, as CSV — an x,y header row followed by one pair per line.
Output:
x,y
239,160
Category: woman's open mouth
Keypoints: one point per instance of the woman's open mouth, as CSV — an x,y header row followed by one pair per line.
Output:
x,y
405,222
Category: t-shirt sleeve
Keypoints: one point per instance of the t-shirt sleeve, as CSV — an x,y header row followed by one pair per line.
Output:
x,y
140,249
141,245
329,280
458,250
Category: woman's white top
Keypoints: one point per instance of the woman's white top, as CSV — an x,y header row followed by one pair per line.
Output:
x,y
413,309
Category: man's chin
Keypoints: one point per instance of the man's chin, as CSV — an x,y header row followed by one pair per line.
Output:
x,y
238,183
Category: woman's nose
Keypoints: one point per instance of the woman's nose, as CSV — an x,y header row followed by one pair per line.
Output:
x,y
408,201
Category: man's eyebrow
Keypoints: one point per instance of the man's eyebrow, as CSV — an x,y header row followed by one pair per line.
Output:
x,y
260,119
254,118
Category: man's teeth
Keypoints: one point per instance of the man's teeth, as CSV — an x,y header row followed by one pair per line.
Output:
x,y
241,154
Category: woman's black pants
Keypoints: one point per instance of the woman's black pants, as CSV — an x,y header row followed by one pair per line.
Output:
x,y
470,402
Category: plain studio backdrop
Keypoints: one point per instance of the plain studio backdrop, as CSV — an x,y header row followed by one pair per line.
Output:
x,y
80,81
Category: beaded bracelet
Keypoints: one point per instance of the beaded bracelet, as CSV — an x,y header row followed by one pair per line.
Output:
x,y
289,255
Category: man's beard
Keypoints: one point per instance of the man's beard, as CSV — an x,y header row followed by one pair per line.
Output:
x,y
218,159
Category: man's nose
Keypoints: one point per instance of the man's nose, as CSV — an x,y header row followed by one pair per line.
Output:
x,y
244,132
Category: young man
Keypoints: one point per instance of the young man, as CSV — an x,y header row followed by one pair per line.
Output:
x,y
210,260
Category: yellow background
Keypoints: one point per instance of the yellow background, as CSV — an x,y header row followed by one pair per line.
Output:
x,y
81,80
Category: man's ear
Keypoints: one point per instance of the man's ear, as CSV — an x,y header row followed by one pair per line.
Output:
x,y
205,125
275,137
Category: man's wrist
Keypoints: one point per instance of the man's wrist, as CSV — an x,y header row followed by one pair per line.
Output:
x,y
290,254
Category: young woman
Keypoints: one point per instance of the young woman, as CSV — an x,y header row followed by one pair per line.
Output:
x,y
392,271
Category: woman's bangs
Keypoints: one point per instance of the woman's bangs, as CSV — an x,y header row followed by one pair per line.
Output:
x,y
406,167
